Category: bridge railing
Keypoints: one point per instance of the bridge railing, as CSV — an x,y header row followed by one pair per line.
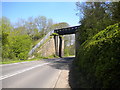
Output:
x,y
41,42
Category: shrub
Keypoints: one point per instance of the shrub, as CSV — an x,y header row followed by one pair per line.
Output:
x,y
20,46
99,58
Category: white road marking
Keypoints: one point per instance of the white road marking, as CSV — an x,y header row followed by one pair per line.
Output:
x,y
18,72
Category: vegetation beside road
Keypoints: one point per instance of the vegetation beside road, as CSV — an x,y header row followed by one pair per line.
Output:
x,y
18,39
8,61
16,61
97,62
99,58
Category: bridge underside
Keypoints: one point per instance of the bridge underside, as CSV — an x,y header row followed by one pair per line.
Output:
x,y
59,43
65,31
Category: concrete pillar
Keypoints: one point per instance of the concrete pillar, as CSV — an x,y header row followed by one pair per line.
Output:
x,y
56,40
61,46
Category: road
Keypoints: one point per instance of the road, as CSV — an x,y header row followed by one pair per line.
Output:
x,y
34,74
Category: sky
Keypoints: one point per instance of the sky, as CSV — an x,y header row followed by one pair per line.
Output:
x,y
57,11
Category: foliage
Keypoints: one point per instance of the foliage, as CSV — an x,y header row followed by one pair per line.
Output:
x,y
59,25
115,8
5,45
20,46
14,45
5,29
96,16
98,58
35,27
69,50
51,56
55,34
8,61
17,47
69,45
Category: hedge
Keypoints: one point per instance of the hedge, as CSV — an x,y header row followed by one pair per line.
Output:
x,y
99,58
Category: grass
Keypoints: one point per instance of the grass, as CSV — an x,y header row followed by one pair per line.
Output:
x,y
67,55
52,56
36,42
8,61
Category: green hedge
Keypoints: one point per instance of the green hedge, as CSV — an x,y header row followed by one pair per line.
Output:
x,y
99,58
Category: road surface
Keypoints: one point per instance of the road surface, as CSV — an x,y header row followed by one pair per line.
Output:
x,y
34,74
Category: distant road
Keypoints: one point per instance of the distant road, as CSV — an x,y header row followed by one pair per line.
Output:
x,y
34,74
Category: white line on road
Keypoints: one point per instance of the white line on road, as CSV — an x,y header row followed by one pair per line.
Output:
x,y
18,72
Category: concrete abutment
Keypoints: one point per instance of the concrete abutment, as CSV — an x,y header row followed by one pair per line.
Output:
x,y
54,46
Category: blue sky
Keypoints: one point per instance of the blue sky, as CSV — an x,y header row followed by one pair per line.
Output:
x,y
58,11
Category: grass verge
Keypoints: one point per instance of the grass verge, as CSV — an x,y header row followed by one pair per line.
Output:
x,y
8,61
16,61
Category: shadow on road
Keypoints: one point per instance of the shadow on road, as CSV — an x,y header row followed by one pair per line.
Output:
x,y
67,64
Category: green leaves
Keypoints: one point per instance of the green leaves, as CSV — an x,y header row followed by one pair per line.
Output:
x,y
98,58
14,45
20,46
96,16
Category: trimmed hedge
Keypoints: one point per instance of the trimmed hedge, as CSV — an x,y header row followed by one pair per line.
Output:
x,y
99,58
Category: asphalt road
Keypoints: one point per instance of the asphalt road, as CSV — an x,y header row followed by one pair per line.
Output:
x,y
34,74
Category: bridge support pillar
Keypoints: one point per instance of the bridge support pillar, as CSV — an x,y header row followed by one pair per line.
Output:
x,y
56,39
59,46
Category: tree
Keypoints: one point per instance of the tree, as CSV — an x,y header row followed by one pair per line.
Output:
x,y
15,44
59,25
49,24
30,26
98,55
41,23
36,27
95,17
115,8
6,29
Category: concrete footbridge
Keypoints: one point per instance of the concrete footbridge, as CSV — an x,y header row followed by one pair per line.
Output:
x,y
57,43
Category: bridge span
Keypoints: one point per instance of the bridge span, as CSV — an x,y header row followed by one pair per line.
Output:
x,y
58,40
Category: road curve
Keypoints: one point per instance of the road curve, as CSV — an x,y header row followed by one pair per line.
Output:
x,y
34,74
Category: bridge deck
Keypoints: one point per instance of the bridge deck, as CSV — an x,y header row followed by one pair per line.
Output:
x,y
69,30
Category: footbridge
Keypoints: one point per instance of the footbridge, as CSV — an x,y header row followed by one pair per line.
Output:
x,y
58,40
